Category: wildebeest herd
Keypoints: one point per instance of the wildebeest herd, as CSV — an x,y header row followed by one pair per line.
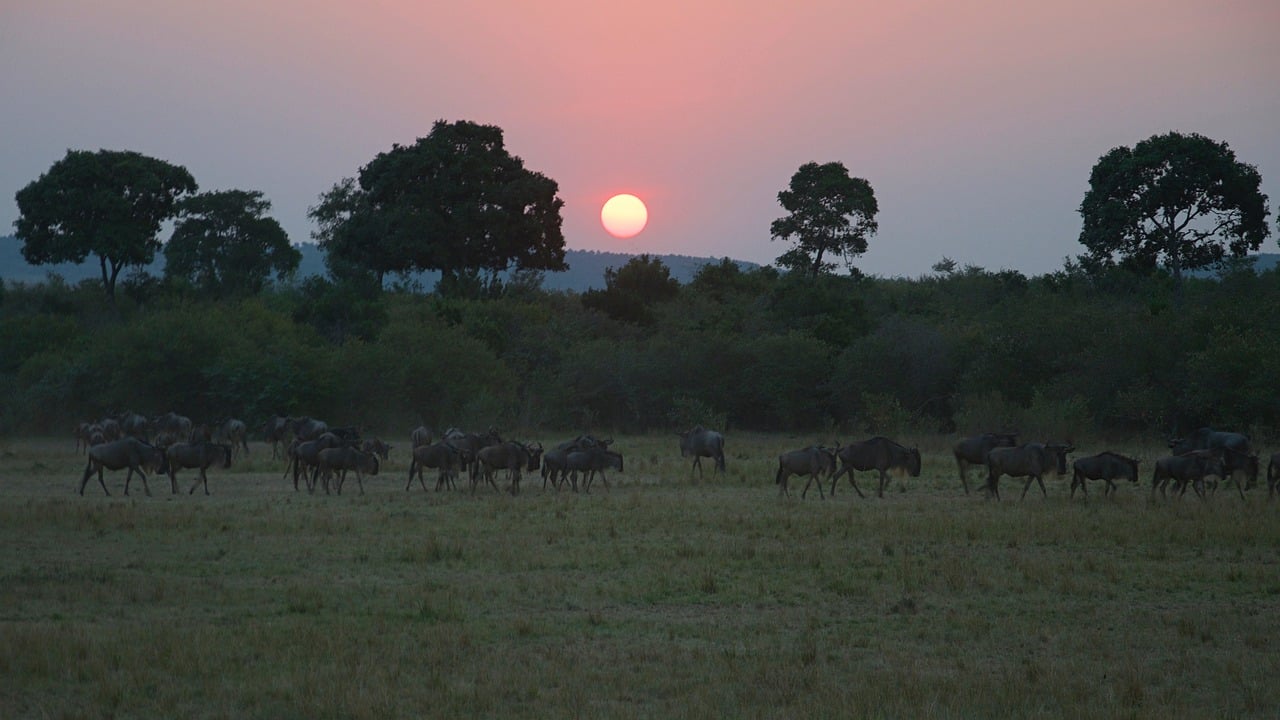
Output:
x,y
321,456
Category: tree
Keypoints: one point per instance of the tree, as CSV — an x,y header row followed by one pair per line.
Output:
x,y
455,201
830,213
106,203
225,245
1181,200
631,290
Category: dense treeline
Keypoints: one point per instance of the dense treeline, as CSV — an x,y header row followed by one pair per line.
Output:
x,y
1068,354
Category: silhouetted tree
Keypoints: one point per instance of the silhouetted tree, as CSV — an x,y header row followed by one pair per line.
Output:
x,y
631,290
831,213
107,203
225,245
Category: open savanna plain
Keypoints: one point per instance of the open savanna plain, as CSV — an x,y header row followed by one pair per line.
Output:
x,y
663,596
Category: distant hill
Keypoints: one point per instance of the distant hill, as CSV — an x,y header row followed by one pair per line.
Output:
x,y
586,267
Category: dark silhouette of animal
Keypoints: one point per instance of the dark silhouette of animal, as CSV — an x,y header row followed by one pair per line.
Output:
x,y
1031,461
555,460
1106,466
340,460
880,454
1189,468
470,444
1234,451
84,434
973,451
234,433
698,443
276,431
512,456
128,452
134,425
812,461
377,447
305,428
420,436
592,460
442,456
111,429
171,424
180,456
303,456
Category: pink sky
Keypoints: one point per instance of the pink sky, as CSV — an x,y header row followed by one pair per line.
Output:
x,y
976,123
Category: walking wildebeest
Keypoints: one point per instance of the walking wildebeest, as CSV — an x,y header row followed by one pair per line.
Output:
x,y
1031,461
179,456
303,456
341,459
880,454
1106,466
172,424
134,425
973,451
305,428
1189,468
276,431
442,456
420,437
592,460
129,453
812,461
699,443
555,460
84,434
377,447
1235,453
234,433
511,456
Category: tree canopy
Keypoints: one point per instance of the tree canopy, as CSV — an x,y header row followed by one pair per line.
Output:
x,y
225,245
631,290
107,203
455,201
1180,200
831,213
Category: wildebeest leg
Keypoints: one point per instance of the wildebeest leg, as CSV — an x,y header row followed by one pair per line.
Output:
x,y
884,480
88,470
359,480
142,475
697,465
964,474
1040,482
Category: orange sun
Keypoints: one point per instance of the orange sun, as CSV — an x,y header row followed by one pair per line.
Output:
x,y
624,215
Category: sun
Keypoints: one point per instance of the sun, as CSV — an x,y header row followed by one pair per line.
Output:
x,y
624,215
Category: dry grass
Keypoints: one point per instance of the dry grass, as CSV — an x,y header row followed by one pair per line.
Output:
x,y
664,597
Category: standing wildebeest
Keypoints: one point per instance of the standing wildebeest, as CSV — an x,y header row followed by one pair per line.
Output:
x,y
1233,448
812,461
592,460
699,443
555,460
129,453
470,444
1189,468
1031,461
420,437
880,454
305,428
511,456
111,429
1106,466
303,456
234,433
134,425
973,451
172,424
377,447
441,455
1273,475
84,434
200,455
342,459
276,431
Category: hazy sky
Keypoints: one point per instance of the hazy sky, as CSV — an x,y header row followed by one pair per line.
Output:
x,y
975,122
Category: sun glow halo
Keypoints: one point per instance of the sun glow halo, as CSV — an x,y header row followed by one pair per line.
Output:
x,y
624,215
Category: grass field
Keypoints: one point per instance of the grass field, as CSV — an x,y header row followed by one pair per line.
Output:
x,y
661,597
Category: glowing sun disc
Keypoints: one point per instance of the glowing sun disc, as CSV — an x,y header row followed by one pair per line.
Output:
x,y
624,215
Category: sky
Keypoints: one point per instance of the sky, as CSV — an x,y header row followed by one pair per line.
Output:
x,y
975,122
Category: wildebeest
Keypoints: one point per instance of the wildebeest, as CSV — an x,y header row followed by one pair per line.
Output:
x,y
511,456
200,455
234,433
1106,466
470,444
303,456
1234,451
880,454
555,460
377,447
1189,468
592,460
305,428
442,456
1031,461
276,431
340,460
698,443
421,436
172,424
973,451
84,434
134,425
128,452
812,461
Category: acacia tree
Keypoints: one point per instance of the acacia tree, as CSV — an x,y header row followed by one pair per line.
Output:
x,y
1181,200
224,244
107,203
831,213
455,201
